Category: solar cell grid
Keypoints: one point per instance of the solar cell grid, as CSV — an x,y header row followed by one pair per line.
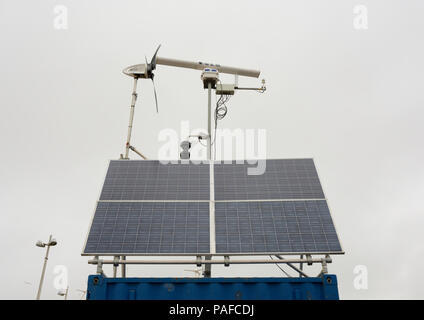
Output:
x,y
282,179
152,180
275,227
147,208
149,228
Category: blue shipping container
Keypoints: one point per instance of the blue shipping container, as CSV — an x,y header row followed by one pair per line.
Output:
x,y
317,288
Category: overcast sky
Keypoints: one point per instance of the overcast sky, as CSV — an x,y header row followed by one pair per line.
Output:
x,y
351,99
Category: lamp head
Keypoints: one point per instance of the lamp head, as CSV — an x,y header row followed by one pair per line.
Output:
x,y
40,244
61,292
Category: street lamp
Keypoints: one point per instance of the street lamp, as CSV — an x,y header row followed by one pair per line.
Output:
x,y
50,243
64,293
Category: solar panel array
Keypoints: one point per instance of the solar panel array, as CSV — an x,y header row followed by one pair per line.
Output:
x,y
281,211
148,208
274,227
282,179
152,180
150,227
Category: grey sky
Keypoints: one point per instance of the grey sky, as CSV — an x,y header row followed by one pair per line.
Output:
x,y
351,99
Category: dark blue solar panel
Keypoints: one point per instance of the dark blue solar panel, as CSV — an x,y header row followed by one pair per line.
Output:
x,y
140,228
152,180
142,210
282,179
275,227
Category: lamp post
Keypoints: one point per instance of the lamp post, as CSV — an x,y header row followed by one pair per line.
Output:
x,y
50,243
64,293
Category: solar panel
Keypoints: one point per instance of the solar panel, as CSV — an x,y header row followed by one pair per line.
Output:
x,y
283,211
127,228
266,227
149,208
282,179
152,180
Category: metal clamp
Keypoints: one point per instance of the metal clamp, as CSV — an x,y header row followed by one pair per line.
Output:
x,y
99,265
324,266
116,261
198,261
309,259
226,261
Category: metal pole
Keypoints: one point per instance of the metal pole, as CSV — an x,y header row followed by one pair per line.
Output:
x,y
301,264
66,293
123,269
301,273
138,152
197,65
208,267
115,268
221,261
44,269
209,120
133,100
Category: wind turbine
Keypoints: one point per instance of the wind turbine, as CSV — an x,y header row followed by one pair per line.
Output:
x,y
210,72
139,71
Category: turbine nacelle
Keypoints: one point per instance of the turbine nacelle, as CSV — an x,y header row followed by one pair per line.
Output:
x,y
144,70
137,71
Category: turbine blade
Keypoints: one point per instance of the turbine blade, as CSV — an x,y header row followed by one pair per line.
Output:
x,y
153,62
156,97
147,67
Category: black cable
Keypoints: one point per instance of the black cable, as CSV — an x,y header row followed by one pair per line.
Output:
x,y
220,110
281,268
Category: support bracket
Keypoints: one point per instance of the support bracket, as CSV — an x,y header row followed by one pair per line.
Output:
x,y
226,261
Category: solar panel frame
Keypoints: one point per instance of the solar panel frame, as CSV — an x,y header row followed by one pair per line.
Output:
x,y
319,196
145,228
280,229
282,179
212,192
182,162
153,180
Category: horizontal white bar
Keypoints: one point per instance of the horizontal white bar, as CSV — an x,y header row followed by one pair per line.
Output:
x,y
154,200
202,65
246,200
202,261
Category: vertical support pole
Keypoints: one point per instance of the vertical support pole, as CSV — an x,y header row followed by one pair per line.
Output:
x,y
99,266
44,269
209,120
324,267
123,268
208,267
301,265
115,266
133,100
